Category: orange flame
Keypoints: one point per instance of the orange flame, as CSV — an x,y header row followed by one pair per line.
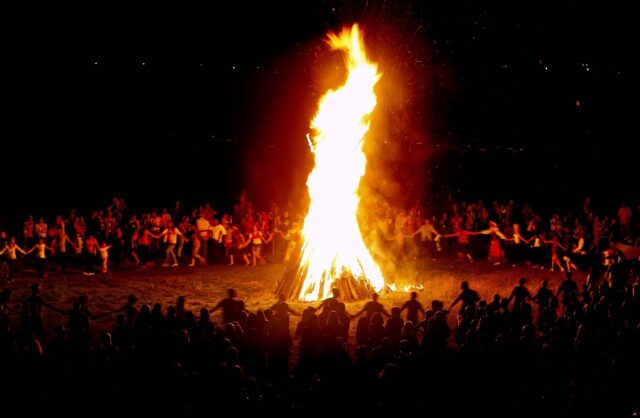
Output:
x,y
333,243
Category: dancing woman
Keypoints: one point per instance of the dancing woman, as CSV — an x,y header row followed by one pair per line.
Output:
x,y
462,236
496,252
555,257
41,256
11,249
519,245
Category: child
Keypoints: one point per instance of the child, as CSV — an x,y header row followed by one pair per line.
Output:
x,y
104,255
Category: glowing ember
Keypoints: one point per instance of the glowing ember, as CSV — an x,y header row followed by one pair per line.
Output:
x,y
333,246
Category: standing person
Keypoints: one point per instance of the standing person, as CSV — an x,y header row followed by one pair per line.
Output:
x,y
519,245
413,307
195,251
229,305
496,252
80,225
11,249
520,294
78,246
28,232
60,245
217,234
171,234
543,296
227,239
462,236
468,297
203,230
104,255
537,250
117,242
185,227
256,238
41,256
555,245
240,247
165,218
91,254
142,240
291,238
41,229
372,307
124,237
156,227
428,236
569,290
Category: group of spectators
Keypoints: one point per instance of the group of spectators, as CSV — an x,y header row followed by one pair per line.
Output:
x,y
570,350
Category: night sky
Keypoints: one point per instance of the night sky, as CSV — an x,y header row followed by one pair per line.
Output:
x,y
538,103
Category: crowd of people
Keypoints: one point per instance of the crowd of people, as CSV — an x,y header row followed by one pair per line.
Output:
x,y
567,350
509,233
118,236
502,233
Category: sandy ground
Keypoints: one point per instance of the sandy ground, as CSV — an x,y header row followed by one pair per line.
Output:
x,y
204,286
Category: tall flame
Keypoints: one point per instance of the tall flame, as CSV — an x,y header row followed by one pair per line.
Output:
x,y
333,244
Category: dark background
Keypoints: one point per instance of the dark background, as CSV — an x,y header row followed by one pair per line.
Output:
x,y
538,103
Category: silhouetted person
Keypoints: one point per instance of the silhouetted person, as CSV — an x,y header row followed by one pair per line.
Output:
x,y
310,339
543,296
468,297
329,305
376,329
282,304
437,333
32,313
520,293
413,307
122,334
393,327
362,331
372,307
345,320
280,341
333,328
229,306
569,290
79,323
